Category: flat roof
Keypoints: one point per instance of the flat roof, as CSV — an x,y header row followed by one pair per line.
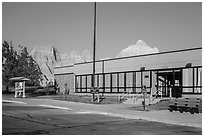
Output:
x,y
19,79
119,58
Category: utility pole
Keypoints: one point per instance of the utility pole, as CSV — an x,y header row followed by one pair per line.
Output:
x,y
94,51
94,46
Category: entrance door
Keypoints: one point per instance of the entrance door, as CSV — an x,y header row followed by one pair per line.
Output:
x,y
170,82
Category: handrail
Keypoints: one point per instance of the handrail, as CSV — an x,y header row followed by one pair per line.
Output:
x,y
125,93
157,93
137,95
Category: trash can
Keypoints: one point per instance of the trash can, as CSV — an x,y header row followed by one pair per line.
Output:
x,y
177,92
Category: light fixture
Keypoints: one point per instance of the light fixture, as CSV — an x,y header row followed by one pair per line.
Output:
x,y
188,65
142,68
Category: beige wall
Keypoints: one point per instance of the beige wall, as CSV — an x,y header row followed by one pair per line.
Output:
x,y
157,61
67,78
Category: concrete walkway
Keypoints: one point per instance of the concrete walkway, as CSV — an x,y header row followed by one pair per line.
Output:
x,y
119,110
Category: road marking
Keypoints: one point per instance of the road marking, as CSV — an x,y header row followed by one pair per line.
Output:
x,y
12,101
49,106
92,112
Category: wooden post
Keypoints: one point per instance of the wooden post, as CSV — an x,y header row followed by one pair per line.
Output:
x,y
23,89
98,98
16,93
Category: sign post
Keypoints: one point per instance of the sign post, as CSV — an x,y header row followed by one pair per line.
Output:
x,y
19,86
18,89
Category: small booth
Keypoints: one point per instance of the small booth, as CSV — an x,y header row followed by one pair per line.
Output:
x,y
19,86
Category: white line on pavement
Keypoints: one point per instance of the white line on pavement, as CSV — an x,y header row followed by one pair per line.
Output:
x,y
92,112
12,101
49,106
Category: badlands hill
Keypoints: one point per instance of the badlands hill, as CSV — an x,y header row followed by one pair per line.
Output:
x,y
48,57
137,49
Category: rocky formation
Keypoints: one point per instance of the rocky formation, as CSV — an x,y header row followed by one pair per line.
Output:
x,y
49,57
72,58
46,57
137,49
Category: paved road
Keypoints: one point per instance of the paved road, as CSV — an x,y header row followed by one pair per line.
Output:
x,y
20,118
119,110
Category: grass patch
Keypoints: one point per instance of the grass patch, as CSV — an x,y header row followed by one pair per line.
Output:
x,y
83,99
161,105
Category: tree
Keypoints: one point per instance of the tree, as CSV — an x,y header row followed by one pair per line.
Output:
x,y
27,67
9,62
19,65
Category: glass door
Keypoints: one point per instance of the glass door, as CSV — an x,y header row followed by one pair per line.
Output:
x,y
170,83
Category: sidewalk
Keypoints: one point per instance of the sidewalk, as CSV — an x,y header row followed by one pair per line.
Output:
x,y
120,110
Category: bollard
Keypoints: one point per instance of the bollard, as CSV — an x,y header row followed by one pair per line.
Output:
x,y
144,90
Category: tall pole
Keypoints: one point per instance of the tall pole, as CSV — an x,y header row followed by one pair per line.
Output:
x,y
94,48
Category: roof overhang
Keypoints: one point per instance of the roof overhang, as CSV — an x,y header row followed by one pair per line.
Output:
x,y
18,79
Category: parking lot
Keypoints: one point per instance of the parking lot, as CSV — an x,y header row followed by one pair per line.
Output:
x,y
20,118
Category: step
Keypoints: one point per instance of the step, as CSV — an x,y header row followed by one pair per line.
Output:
x,y
140,100
129,101
155,101
132,101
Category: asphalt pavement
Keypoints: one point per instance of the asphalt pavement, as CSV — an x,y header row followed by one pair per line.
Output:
x,y
24,117
118,110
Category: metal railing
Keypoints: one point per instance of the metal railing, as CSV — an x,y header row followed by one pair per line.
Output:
x,y
153,97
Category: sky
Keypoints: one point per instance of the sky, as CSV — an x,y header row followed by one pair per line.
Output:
x,y
69,26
